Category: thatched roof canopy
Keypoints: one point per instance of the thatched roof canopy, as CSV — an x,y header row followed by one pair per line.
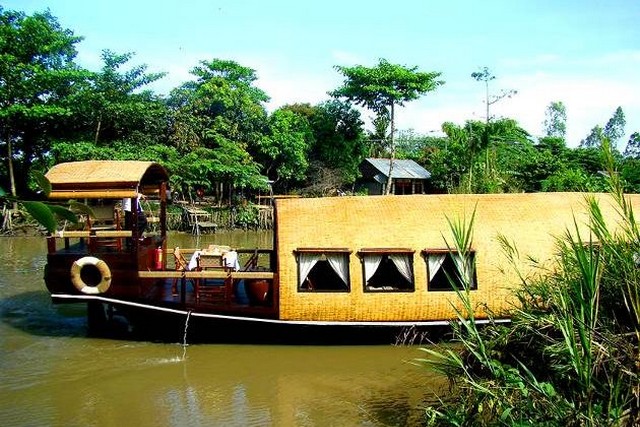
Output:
x,y
94,179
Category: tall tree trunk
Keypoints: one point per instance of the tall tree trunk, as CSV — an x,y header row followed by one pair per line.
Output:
x,y
12,178
98,126
392,151
486,85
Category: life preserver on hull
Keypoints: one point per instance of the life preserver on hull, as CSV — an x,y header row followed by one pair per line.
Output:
x,y
105,275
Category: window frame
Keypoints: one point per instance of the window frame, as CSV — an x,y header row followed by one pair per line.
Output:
x,y
362,253
323,252
450,252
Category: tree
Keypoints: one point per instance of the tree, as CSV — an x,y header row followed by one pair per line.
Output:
x,y
112,101
484,75
633,146
223,101
630,174
339,141
283,151
379,137
221,111
482,153
555,122
614,129
594,139
382,88
337,145
37,72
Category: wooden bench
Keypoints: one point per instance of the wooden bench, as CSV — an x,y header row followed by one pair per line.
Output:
x,y
201,227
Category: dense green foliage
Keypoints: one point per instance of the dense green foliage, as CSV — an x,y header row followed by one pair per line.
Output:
x,y
214,132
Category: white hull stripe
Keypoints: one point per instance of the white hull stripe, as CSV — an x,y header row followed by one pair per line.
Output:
x,y
259,320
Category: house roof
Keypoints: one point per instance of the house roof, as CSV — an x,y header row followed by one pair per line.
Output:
x,y
103,178
403,169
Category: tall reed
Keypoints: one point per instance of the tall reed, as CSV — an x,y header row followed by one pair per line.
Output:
x,y
570,356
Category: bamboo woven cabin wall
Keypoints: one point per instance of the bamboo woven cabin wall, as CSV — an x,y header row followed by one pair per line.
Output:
x,y
531,221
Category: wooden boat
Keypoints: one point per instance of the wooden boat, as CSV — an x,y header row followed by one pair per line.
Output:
x,y
336,263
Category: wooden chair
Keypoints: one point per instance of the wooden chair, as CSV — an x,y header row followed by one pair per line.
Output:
x,y
213,293
106,219
210,262
180,265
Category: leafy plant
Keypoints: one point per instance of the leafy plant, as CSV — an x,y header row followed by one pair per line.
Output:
x,y
48,214
246,216
570,356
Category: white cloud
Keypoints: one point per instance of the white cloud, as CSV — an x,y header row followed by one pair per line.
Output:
x,y
589,101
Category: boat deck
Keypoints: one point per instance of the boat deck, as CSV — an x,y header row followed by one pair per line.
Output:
x,y
211,295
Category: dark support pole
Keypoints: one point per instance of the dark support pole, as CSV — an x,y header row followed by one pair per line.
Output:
x,y
163,209
183,290
134,222
51,244
163,221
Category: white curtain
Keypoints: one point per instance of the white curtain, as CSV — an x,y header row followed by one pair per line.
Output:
x,y
340,264
306,261
371,263
463,266
403,264
435,262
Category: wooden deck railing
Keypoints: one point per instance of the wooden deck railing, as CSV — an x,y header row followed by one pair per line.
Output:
x,y
94,238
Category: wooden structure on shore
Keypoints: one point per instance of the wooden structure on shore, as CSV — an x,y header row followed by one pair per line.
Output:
x,y
198,220
380,261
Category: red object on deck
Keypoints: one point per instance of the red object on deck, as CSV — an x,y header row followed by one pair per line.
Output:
x,y
158,258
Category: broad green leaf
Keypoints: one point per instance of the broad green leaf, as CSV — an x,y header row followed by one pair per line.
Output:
x,y
506,414
64,213
2,192
42,182
41,213
81,208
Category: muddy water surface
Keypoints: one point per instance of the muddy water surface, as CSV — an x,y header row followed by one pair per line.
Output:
x,y
51,373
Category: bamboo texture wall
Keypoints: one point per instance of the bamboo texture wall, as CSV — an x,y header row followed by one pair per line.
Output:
x,y
531,221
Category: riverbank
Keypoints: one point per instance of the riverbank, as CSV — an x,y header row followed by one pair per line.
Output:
x,y
181,216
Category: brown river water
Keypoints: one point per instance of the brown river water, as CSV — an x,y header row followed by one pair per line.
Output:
x,y
53,374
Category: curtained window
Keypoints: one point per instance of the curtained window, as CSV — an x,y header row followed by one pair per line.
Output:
x,y
447,270
387,270
323,269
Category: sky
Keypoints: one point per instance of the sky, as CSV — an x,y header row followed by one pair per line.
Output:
x,y
584,53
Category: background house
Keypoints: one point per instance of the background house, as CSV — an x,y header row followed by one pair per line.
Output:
x,y
407,177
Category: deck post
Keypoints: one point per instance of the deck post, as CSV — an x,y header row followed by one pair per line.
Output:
x,y
183,289
51,244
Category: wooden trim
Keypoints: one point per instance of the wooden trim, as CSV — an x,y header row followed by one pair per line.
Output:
x,y
325,250
71,233
211,274
113,233
239,250
88,194
366,251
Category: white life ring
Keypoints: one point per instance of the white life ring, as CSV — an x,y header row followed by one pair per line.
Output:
x,y
105,276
